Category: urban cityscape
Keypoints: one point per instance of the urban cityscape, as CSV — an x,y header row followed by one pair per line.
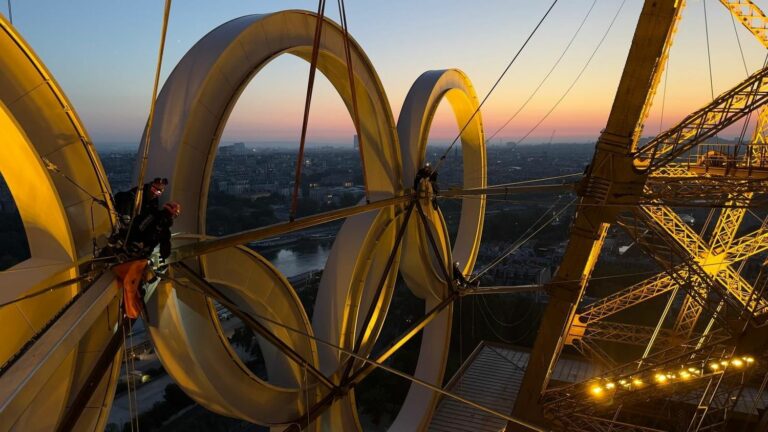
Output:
x,y
251,187
384,216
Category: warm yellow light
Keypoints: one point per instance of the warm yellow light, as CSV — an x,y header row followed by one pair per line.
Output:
x,y
737,362
692,369
749,359
610,385
714,366
637,382
724,362
661,378
685,374
623,382
596,390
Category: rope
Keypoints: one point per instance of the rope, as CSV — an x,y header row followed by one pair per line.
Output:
x,y
709,60
500,322
306,389
10,12
152,104
52,167
307,104
738,41
709,56
522,239
500,185
461,331
59,285
133,370
389,369
578,77
516,340
469,120
493,330
546,77
128,380
353,94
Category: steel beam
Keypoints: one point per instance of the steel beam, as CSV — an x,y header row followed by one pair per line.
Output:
x,y
645,62
29,376
726,109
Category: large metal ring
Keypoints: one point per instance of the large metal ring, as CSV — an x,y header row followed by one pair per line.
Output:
x,y
39,131
192,109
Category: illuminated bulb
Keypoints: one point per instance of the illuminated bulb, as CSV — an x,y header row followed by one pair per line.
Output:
x,y
692,369
661,378
685,375
737,362
714,366
724,362
623,382
749,359
637,382
596,390
610,385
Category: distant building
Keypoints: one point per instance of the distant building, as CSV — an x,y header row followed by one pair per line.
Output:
x,y
355,142
234,149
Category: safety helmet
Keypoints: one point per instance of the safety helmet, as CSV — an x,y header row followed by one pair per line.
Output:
x,y
173,208
158,186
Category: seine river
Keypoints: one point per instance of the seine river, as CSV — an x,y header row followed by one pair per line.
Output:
x,y
292,260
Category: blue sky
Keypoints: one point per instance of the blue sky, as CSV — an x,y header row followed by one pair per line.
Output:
x,y
103,55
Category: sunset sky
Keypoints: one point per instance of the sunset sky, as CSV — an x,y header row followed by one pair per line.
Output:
x,y
103,55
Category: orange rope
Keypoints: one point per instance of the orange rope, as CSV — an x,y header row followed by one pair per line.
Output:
x,y
307,104
355,111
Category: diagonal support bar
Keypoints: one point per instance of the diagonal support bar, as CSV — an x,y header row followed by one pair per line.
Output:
x,y
726,109
628,297
210,290
751,17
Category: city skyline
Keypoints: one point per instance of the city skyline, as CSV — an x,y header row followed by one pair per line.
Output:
x,y
109,81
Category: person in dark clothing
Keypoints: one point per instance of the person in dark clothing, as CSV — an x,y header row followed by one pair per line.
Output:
x,y
150,200
152,229
426,173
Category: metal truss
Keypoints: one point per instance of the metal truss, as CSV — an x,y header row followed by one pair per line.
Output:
x,y
758,155
631,334
703,191
748,246
751,16
672,257
588,423
717,400
725,229
706,122
714,266
628,297
634,382
592,351
703,267
585,324
673,171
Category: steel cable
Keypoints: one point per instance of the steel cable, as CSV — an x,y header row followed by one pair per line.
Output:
x,y
546,77
150,122
578,77
461,131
